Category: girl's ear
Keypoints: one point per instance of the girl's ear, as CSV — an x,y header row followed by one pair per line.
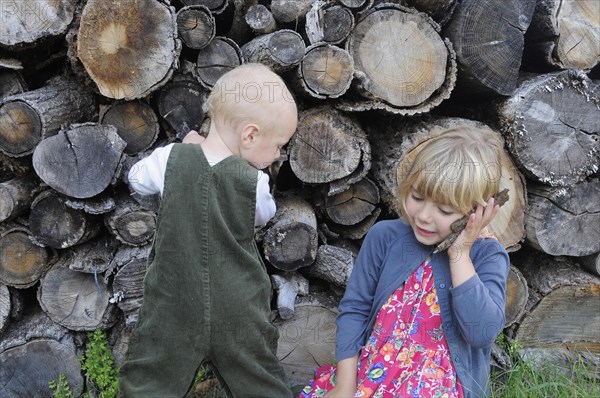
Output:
x,y
249,134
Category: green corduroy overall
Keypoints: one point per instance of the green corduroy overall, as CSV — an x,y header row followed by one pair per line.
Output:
x,y
206,290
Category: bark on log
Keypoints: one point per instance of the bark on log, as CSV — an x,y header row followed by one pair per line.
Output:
x,y
11,83
76,300
180,104
280,50
591,263
54,224
489,40
327,146
550,124
136,124
402,65
130,223
260,19
290,11
16,195
289,240
326,71
329,23
99,204
307,341
517,295
27,118
81,161
288,286
128,289
22,263
93,257
25,22
128,50
440,10
564,34
564,221
196,26
333,264
5,308
216,59
357,4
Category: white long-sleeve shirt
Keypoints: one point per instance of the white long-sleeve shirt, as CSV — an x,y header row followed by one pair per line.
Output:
x,y
147,177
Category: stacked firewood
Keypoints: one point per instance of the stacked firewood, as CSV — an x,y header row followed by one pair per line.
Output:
x,y
88,87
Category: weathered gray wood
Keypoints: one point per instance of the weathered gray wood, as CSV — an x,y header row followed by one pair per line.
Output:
x,y
128,289
489,41
354,204
5,308
517,294
196,26
440,10
93,257
402,65
130,223
551,127
260,19
16,195
591,263
564,221
216,59
29,117
288,286
333,264
326,71
11,82
356,231
290,11
136,124
81,161
328,22
24,22
280,50
128,50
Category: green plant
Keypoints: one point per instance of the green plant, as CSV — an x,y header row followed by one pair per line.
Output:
x,y
61,388
98,363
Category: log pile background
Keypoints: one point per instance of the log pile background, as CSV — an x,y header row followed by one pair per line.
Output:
x,y
89,87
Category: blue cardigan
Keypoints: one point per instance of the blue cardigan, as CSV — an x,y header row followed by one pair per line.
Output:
x,y
472,313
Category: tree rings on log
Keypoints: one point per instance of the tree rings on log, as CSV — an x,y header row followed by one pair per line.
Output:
x,y
489,40
80,162
326,71
327,23
196,26
130,223
327,146
75,300
22,263
564,221
517,295
27,118
280,50
555,144
24,22
216,59
402,65
16,195
354,204
136,124
129,49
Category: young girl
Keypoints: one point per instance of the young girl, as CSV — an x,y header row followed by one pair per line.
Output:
x,y
417,324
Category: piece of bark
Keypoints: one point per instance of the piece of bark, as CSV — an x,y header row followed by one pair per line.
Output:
x,y
99,204
280,50
551,127
357,4
29,117
5,308
307,341
54,224
81,161
75,300
289,240
26,22
216,7
329,23
326,71
130,223
128,50
180,104
288,286
489,41
440,10
128,289
328,145
564,221
290,11
260,19
196,26
333,264
93,257
136,124
402,64
564,34
517,294
16,195
216,59
22,263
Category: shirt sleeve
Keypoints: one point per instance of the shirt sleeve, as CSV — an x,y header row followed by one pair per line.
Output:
x,y
147,177
265,204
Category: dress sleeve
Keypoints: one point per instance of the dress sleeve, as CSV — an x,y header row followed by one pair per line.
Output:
x,y
479,302
265,204
147,177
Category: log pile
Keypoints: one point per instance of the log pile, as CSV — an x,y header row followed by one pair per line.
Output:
x,y
89,87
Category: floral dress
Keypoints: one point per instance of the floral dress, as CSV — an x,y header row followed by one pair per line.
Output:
x,y
407,354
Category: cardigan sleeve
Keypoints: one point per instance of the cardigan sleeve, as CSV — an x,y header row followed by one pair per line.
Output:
x,y
479,303
356,305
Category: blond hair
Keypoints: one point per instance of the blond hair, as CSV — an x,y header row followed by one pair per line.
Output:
x,y
460,167
245,94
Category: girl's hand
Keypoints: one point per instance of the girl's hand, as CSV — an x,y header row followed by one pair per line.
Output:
x,y
338,392
477,222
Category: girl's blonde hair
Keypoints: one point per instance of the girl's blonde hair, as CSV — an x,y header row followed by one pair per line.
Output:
x,y
460,167
247,94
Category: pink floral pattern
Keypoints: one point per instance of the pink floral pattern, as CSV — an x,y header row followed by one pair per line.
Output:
x,y
407,354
